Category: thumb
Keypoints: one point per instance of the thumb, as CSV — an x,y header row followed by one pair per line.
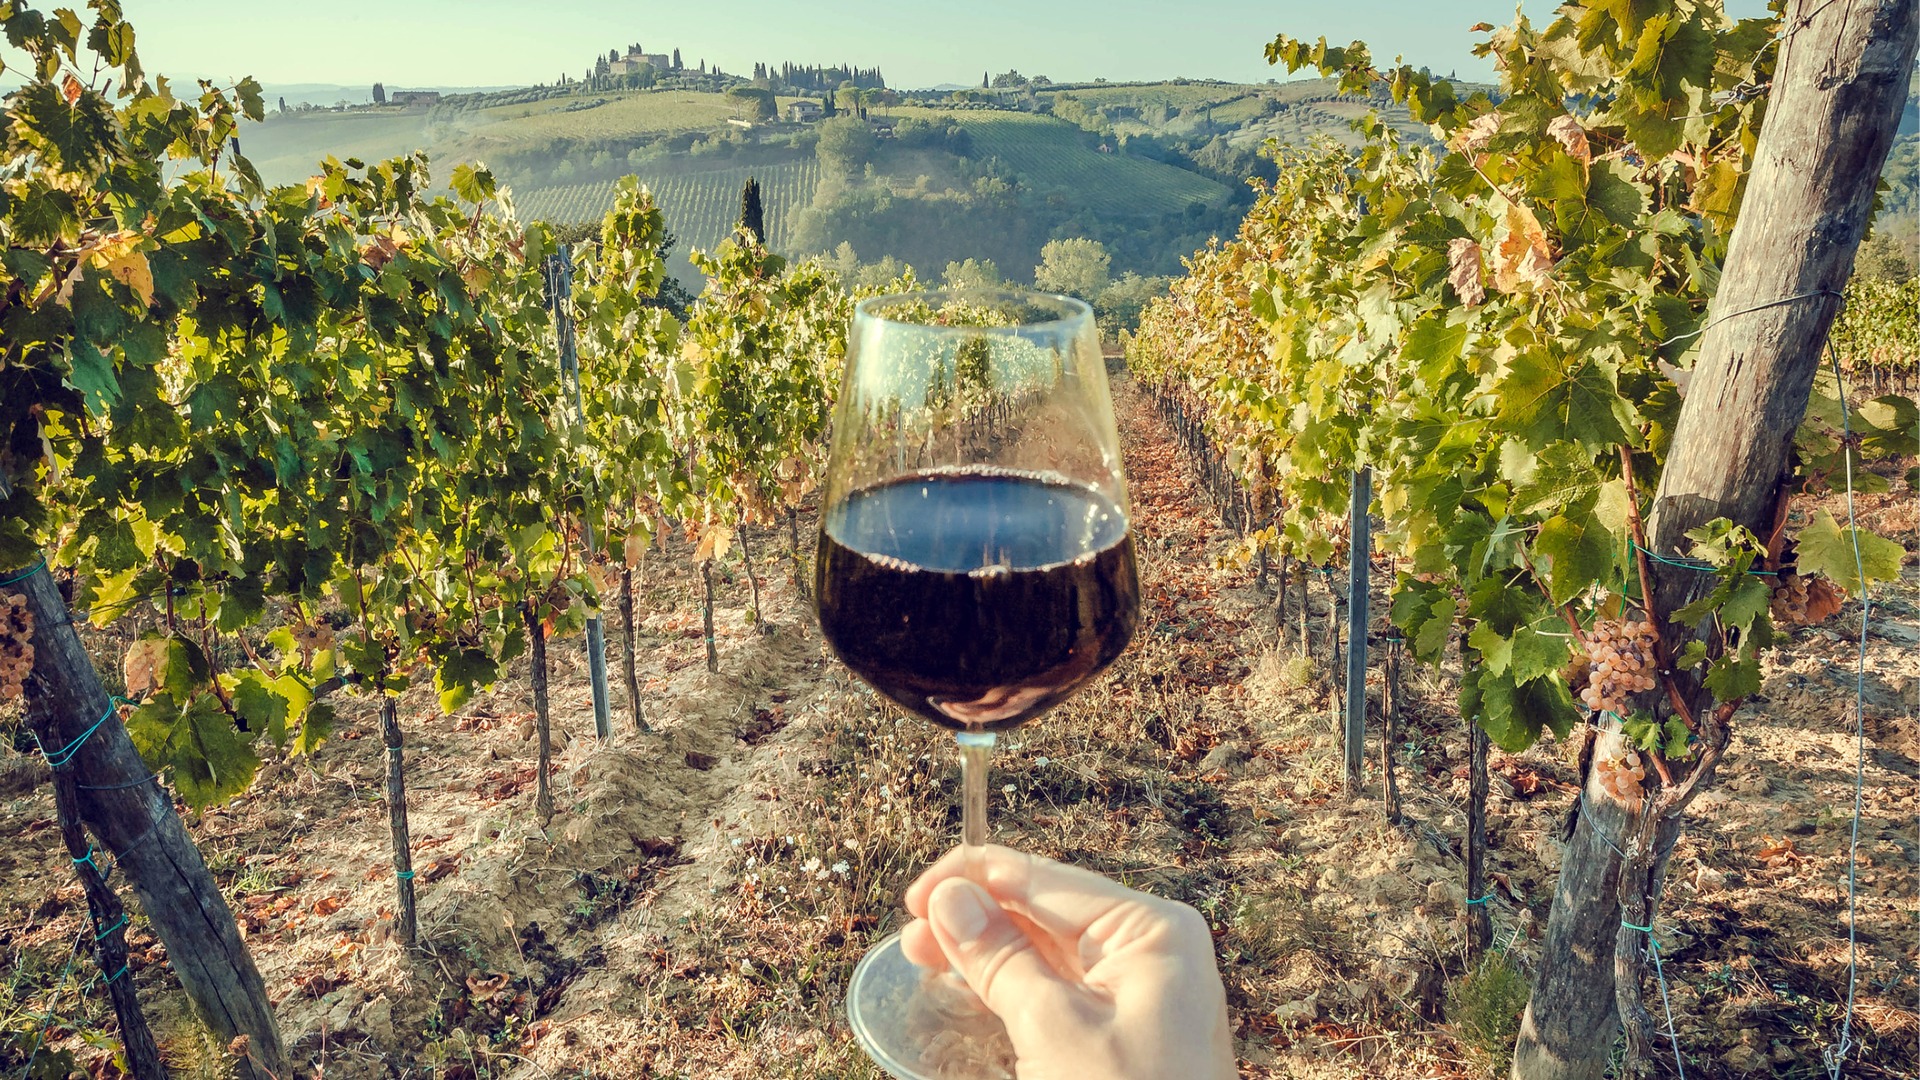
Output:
x,y
997,960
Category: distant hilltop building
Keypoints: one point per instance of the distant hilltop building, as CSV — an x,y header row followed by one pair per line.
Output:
x,y
631,62
803,111
414,97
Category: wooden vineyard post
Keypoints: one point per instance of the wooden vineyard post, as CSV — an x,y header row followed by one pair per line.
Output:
x,y
800,583
1839,87
746,559
1306,641
108,918
559,290
629,662
537,648
135,823
1359,563
1390,730
706,615
406,922
1479,922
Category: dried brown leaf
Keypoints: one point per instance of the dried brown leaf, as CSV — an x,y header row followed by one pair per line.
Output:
x,y
1571,135
1523,256
1463,270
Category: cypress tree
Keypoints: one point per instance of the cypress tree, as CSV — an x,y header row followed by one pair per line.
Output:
x,y
752,217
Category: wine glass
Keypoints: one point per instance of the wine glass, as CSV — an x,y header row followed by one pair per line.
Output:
x,y
975,567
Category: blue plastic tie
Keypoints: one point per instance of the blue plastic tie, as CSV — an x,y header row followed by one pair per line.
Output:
x,y
88,859
59,759
27,573
403,875
102,934
116,975
1482,900
1689,564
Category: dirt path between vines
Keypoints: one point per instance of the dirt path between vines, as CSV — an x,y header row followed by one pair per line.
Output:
x,y
696,905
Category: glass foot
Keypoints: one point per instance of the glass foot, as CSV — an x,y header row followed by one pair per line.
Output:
x,y
920,1025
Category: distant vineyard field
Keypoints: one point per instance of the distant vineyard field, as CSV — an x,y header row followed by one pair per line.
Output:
x,y
1051,158
624,115
700,208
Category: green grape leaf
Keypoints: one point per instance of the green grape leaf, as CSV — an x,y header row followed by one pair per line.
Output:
x,y
1537,654
1824,548
1579,551
1496,649
1569,398
259,703
212,760
1692,655
460,675
1561,474
1747,602
1733,677
315,727
1612,192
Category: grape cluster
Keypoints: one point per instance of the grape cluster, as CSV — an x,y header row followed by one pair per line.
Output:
x,y
312,637
1622,777
16,648
1803,601
1618,661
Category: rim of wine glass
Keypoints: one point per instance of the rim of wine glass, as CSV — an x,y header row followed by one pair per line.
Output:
x,y
1077,310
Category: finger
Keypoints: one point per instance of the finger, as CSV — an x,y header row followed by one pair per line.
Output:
x,y
1060,899
997,960
920,945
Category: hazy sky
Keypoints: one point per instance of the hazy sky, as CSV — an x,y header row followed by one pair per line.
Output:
x,y
916,43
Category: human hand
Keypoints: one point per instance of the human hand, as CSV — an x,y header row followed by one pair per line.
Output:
x,y
1091,978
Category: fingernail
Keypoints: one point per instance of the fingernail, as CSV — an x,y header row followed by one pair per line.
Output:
x,y
960,908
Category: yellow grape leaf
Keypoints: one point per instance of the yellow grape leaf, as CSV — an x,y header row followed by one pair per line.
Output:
x,y
1523,256
133,271
714,544
1571,135
143,661
1463,270
636,548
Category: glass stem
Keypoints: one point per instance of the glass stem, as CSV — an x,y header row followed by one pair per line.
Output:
x,y
976,748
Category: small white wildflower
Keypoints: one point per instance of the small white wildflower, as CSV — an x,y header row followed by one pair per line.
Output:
x,y
746,966
789,841
886,791
822,875
1007,789
812,865
840,867
783,888
750,861
850,845
1043,761
736,841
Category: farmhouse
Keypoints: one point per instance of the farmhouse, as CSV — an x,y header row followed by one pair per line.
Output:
x,y
803,112
414,97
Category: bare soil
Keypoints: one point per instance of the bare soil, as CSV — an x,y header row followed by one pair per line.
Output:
x,y
698,901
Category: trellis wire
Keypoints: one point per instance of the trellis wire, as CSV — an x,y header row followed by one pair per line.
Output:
x,y
1746,311
1660,976
1835,1056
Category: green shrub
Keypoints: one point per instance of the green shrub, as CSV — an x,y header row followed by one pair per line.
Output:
x,y
1484,1007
